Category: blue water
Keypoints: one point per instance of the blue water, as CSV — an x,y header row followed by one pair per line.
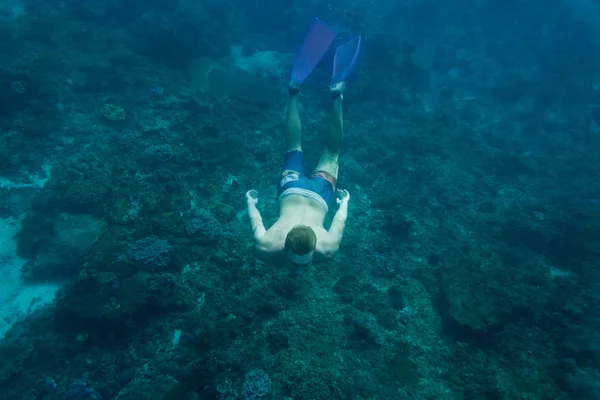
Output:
x,y
136,264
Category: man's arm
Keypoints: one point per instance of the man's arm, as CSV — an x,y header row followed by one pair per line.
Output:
x,y
258,228
264,247
336,230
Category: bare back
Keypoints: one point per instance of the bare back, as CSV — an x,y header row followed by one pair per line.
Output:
x,y
296,210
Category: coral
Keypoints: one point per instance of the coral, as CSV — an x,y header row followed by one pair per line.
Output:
x,y
257,385
132,295
347,287
158,152
366,329
151,253
35,235
395,297
399,367
87,187
152,123
584,384
113,112
80,391
469,259
204,227
260,62
314,385
14,352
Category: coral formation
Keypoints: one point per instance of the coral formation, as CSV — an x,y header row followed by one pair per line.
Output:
x,y
130,132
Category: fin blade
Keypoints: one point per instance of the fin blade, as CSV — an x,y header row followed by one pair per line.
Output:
x,y
345,60
316,43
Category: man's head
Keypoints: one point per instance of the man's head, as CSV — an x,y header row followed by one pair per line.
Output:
x,y
300,245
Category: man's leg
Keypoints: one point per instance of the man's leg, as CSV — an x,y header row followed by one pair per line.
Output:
x,y
329,160
293,125
293,161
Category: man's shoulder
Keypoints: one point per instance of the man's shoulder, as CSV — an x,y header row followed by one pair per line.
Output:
x,y
326,246
265,246
269,244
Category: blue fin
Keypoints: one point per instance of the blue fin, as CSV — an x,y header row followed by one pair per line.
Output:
x,y
311,51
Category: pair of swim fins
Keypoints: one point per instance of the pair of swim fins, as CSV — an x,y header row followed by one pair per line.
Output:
x,y
313,48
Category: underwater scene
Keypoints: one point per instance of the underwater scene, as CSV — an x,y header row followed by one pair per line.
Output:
x,y
299,200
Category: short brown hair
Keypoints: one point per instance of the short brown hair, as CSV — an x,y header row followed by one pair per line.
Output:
x,y
301,240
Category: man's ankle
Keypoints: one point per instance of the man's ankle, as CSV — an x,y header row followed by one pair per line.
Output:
x,y
337,90
294,89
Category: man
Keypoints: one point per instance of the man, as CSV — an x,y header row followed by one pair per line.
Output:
x,y
298,236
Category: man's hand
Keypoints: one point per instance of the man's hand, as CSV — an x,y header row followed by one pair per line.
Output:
x,y
343,196
252,196
336,231
258,229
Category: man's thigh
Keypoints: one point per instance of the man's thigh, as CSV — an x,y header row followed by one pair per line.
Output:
x,y
293,162
328,163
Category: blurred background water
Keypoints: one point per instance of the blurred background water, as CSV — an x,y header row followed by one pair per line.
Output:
x,y
130,131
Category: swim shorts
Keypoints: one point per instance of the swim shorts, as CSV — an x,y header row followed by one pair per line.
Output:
x,y
319,186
